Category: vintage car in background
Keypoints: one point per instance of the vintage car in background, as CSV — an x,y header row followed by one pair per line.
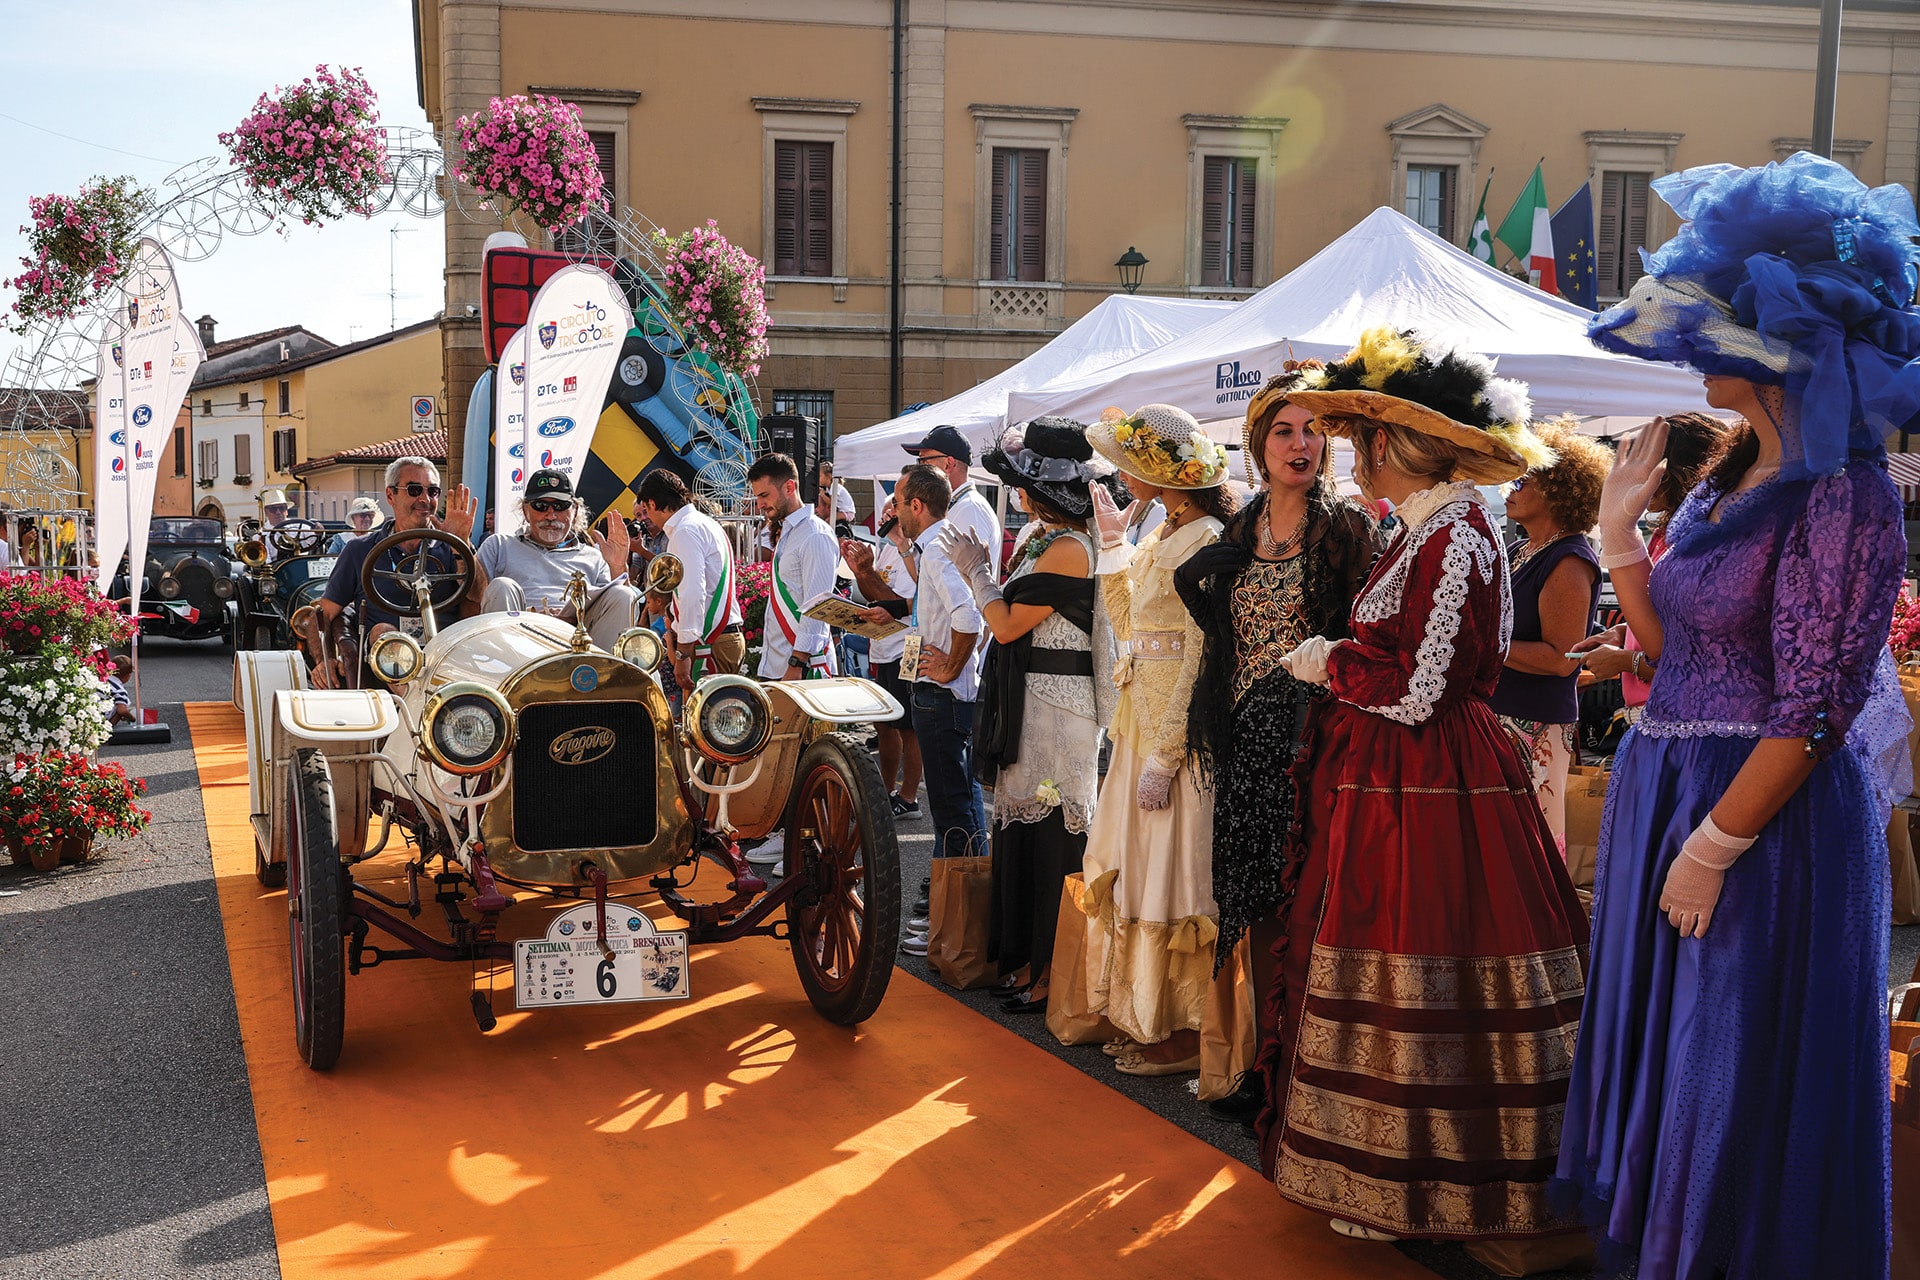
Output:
x,y
190,589
510,755
287,569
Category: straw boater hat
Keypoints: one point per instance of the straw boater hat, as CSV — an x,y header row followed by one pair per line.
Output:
x,y
1415,382
1161,445
1051,459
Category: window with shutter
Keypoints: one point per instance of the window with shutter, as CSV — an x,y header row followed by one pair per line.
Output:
x,y
1018,242
816,240
602,142
242,458
283,450
209,461
1622,230
1228,217
180,451
286,398
787,196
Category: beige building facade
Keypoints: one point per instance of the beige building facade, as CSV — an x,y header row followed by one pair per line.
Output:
x,y
1226,141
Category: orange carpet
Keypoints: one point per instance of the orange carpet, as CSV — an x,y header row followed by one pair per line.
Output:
x,y
736,1134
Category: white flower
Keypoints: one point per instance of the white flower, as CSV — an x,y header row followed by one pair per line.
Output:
x,y
1508,401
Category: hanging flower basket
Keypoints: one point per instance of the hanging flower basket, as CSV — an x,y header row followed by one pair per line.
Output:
x,y
719,296
533,156
315,150
77,247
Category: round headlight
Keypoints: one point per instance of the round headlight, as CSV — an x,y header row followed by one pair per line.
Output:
x,y
468,728
395,656
223,587
641,647
729,718
169,587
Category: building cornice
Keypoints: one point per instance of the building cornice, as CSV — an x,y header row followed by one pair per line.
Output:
x,y
807,106
578,93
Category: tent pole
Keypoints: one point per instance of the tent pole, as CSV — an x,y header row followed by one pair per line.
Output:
x,y
1826,77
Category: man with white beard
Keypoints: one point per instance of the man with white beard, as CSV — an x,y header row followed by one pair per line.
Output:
x,y
530,570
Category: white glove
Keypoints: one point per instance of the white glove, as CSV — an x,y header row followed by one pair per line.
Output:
x,y
1308,663
969,556
1636,476
1109,519
1156,787
1694,880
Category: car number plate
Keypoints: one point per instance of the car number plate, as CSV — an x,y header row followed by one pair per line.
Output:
x,y
322,567
572,965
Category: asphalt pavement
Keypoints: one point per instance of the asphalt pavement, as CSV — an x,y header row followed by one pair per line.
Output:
x,y
128,1126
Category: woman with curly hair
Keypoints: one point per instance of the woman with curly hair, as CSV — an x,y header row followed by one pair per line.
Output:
x,y
1556,588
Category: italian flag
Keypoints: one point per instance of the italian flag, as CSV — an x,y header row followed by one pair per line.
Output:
x,y
1528,231
1480,241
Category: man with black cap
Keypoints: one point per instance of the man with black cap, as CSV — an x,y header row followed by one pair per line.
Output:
x,y
531,569
947,451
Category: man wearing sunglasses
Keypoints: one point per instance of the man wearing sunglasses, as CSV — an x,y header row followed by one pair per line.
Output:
x,y
531,569
413,491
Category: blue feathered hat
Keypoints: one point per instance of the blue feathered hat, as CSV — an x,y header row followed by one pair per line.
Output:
x,y
1793,274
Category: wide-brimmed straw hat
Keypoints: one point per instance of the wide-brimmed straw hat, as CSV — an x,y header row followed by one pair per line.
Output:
x,y
1160,444
1401,377
1051,459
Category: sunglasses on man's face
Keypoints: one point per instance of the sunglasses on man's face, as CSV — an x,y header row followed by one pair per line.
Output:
x,y
414,489
550,505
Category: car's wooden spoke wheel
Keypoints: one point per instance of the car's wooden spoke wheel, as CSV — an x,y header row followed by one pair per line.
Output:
x,y
316,892
845,919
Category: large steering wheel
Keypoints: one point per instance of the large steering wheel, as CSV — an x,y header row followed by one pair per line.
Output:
x,y
391,586
300,537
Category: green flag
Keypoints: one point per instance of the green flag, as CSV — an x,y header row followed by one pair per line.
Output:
x,y
1480,241
1516,232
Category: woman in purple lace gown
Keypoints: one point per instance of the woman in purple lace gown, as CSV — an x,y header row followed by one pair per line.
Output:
x,y
1728,1111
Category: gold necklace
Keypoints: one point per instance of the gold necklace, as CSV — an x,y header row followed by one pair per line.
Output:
x,y
1270,549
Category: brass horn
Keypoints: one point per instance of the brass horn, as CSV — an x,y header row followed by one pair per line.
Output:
x,y
252,552
664,574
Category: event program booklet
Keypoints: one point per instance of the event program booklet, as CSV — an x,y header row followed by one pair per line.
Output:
x,y
838,611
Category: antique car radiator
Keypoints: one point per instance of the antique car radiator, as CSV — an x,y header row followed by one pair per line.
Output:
x,y
583,776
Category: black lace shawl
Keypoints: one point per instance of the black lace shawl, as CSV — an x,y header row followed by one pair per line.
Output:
x,y
1003,682
1342,542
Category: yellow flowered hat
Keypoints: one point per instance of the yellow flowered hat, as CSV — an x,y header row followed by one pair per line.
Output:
x,y
1160,444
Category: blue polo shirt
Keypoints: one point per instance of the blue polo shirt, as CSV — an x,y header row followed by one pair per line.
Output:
x,y
343,587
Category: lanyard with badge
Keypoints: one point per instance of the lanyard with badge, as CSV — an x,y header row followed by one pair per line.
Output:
x,y
910,653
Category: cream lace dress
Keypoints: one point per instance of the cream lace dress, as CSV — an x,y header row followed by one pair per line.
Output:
x,y
1150,912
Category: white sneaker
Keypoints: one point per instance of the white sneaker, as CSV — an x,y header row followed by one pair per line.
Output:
x,y
919,924
914,944
770,854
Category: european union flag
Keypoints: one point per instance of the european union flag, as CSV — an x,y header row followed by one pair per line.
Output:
x,y
1573,250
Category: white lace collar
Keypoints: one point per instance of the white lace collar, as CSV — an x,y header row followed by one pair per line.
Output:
x,y
1420,507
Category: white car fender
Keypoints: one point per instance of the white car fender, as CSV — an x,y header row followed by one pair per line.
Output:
x,y
341,722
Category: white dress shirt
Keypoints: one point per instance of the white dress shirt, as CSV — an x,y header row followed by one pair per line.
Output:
x,y
706,557
803,563
843,508
969,510
944,605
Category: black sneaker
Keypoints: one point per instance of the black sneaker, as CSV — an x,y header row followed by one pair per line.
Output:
x,y
1244,1103
903,808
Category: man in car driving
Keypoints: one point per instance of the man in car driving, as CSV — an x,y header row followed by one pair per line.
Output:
x,y
531,569
413,491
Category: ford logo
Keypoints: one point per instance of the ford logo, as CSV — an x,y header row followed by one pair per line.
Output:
x,y
583,745
555,427
118,438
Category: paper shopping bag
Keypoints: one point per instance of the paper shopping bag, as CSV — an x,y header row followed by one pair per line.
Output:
x,y
1229,1034
1068,1015
1586,798
1906,877
960,905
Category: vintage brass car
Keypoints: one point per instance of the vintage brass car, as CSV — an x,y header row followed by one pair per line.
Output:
x,y
287,568
510,754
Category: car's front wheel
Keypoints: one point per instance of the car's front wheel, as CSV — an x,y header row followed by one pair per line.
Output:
x,y
316,905
844,923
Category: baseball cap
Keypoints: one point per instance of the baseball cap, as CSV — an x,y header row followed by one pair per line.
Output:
x,y
547,481
944,440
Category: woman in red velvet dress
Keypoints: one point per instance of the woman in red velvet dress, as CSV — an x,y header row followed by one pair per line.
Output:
x,y
1433,963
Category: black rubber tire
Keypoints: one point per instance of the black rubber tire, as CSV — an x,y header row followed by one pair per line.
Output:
x,y
315,912
841,840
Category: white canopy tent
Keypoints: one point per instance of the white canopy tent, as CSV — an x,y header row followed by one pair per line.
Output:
x,y
1118,329
1387,270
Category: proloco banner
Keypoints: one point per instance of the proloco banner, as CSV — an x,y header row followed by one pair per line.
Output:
x,y
553,383
147,360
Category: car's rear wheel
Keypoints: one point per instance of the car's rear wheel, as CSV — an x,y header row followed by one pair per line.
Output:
x,y
845,920
316,890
